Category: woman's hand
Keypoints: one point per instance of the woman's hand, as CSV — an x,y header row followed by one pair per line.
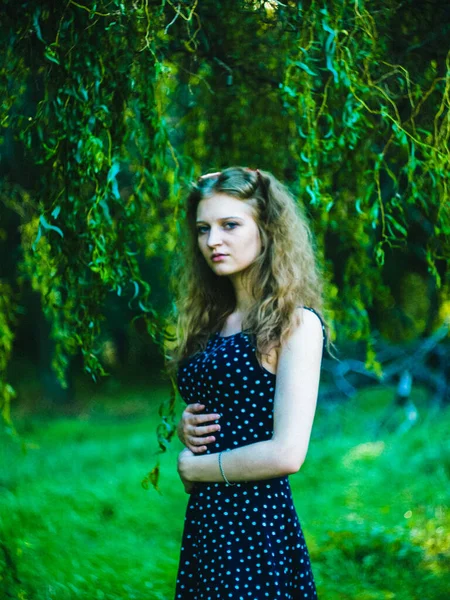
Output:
x,y
182,466
191,427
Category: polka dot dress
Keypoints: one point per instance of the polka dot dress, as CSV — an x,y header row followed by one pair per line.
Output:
x,y
242,541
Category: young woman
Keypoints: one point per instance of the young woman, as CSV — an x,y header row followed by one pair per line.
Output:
x,y
248,366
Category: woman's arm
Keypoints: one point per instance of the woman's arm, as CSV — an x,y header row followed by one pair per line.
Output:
x,y
296,390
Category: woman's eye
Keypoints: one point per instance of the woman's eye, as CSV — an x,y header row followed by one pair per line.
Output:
x,y
229,225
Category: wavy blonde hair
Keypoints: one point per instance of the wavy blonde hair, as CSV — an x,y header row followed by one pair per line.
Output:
x,y
282,278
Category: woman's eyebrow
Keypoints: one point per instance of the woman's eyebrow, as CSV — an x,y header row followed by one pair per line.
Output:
x,y
222,219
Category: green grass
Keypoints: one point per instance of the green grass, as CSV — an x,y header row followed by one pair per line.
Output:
x,y
76,523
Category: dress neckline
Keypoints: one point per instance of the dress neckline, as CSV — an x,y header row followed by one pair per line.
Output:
x,y
224,337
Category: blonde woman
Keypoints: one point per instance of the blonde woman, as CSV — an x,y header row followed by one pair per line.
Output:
x,y
250,345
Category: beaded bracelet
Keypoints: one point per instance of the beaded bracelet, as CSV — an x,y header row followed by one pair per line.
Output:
x,y
221,469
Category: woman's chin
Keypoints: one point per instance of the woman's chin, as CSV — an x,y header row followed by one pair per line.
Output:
x,y
221,271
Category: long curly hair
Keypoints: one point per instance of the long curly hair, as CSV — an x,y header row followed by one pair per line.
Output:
x,y
282,278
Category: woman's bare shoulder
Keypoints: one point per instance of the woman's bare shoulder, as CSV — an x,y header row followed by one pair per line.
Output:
x,y
309,324
307,332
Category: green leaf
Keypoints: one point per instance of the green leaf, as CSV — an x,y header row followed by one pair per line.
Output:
x,y
51,55
111,179
37,27
305,67
330,47
48,226
379,254
396,225
136,292
38,237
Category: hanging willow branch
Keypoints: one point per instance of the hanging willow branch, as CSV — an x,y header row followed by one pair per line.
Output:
x,y
99,76
372,147
326,95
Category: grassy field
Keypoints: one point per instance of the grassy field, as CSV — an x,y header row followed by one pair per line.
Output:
x,y
76,523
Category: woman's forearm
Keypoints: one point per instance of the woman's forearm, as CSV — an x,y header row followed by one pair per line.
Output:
x,y
261,460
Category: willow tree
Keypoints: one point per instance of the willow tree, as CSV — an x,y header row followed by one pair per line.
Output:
x,y
95,75
346,102
351,108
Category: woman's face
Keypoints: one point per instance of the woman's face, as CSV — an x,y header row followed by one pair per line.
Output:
x,y
227,229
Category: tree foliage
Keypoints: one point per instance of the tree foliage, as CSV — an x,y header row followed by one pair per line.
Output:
x,y
111,107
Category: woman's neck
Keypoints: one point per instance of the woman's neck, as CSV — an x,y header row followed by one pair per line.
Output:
x,y
244,298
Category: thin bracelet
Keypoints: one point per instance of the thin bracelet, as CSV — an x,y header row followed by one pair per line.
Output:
x,y
221,469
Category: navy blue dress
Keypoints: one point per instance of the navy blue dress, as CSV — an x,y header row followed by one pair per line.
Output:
x,y
242,541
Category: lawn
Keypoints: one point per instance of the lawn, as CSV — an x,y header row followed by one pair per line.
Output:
x,y
75,521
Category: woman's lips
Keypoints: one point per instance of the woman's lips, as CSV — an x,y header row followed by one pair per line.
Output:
x,y
219,257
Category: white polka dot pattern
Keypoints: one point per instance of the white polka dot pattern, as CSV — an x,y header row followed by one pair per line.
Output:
x,y
244,541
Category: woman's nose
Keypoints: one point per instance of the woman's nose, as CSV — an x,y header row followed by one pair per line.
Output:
x,y
214,237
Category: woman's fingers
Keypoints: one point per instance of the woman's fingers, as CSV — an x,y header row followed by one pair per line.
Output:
x,y
199,419
197,444
196,449
199,441
194,432
193,408
198,431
